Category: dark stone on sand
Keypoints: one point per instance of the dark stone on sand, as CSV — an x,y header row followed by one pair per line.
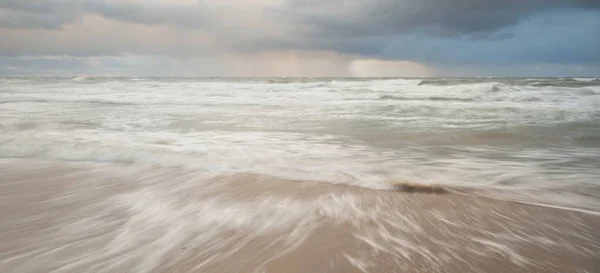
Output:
x,y
419,188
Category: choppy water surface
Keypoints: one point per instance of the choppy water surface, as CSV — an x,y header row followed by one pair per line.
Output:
x,y
533,140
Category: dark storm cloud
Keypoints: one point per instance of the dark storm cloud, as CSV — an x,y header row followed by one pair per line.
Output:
x,y
443,31
437,33
453,32
550,37
567,36
342,18
333,18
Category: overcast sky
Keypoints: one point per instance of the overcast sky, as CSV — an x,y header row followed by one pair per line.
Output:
x,y
300,37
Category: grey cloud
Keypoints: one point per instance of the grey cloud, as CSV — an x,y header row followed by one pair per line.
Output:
x,y
438,17
404,29
151,14
38,14
52,14
40,6
367,27
70,65
28,66
431,31
334,18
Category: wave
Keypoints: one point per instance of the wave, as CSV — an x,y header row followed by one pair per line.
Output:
x,y
539,82
390,97
471,86
78,79
365,132
584,79
64,100
565,82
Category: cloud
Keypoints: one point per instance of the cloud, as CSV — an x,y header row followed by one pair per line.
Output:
x,y
290,37
548,37
98,36
207,14
273,64
343,18
455,32
152,12
38,14
41,65
333,18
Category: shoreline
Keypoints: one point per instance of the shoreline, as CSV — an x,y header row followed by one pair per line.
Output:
x,y
86,217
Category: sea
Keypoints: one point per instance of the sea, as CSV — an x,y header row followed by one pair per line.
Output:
x,y
533,140
348,175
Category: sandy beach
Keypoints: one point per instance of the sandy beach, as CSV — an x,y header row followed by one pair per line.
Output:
x,y
299,136
93,217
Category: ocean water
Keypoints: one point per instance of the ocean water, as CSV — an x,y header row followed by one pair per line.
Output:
x,y
530,140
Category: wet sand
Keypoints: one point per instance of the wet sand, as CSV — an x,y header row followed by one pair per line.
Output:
x,y
91,217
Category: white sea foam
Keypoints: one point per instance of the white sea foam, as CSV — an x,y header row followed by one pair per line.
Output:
x,y
491,133
585,79
144,219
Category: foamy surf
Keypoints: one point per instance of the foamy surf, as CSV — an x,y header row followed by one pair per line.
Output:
x,y
299,175
93,217
506,137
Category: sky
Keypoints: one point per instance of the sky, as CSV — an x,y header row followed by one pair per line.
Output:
x,y
300,38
